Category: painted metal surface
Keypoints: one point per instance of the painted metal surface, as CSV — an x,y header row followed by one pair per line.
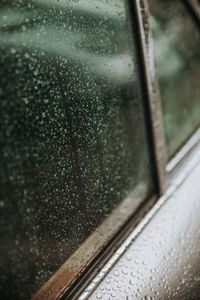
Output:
x,y
163,261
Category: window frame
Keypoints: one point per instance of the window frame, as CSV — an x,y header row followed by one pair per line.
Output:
x,y
70,280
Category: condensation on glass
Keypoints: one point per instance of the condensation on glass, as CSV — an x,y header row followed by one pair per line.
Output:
x,y
177,43
73,141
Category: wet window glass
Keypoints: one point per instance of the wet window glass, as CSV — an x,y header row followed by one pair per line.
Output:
x,y
73,140
177,43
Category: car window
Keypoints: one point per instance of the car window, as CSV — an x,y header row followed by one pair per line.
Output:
x,y
176,44
73,140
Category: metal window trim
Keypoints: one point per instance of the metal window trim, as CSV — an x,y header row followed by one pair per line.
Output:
x,y
153,92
